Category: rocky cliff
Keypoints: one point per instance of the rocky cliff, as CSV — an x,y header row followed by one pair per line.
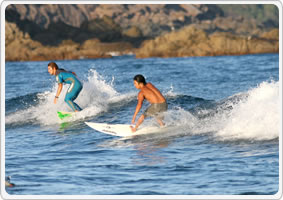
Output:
x,y
191,41
152,19
69,31
20,47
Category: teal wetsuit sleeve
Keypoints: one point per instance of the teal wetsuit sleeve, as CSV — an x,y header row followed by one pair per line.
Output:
x,y
59,78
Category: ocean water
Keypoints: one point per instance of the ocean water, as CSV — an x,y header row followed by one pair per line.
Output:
x,y
225,111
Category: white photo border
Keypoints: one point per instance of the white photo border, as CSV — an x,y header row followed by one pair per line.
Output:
x,y
5,195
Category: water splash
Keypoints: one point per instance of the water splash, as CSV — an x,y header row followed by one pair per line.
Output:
x,y
95,97
256,116
250,115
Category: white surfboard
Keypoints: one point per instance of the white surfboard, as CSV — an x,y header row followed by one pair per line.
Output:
x,y
122,130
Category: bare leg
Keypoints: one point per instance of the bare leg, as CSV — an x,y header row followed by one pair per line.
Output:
x,y
160,122
160,119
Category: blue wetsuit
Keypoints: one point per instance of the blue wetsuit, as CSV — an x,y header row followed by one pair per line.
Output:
x,y
75,88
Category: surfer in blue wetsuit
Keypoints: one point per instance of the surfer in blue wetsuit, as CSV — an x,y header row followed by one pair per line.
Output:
x,y
63,76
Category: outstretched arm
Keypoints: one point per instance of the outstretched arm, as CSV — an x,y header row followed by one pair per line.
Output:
x,y
60,86
138,107
140,120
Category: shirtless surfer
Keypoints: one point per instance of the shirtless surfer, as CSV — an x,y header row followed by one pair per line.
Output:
x,y
153,96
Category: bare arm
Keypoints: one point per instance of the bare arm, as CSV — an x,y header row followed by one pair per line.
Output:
x,y
138,107
60,86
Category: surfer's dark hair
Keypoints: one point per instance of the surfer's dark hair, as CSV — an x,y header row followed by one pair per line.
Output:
x,y
140,79
53,65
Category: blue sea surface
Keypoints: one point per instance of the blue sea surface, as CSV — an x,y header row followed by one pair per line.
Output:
x,y
224,110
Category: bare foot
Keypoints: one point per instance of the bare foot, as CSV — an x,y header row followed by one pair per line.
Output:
x,y
133,129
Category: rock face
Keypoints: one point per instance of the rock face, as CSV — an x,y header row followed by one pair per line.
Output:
x,y
20,47
151,19
69,31
18,44
191,41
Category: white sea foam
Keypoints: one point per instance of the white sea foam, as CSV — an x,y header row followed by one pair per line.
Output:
x,y
94,98
253,115
250,115
256,116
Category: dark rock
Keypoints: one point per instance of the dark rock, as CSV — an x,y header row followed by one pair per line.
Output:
x,y
20,47
103,28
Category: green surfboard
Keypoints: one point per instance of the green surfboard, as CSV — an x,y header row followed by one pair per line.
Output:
x,y
63,115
